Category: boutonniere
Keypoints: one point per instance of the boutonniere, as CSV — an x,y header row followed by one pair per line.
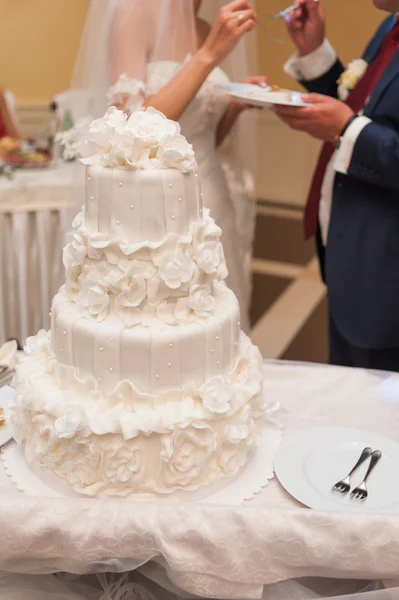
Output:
x,y
351,77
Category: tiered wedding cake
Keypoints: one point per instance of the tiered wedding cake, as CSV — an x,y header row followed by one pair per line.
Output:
x,y
146,383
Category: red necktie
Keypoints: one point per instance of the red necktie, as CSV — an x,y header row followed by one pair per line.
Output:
x,y
356,101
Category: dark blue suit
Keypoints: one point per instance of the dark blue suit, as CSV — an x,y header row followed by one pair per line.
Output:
x,y
362,253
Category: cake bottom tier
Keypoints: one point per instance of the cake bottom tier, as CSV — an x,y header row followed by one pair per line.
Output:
x,y
123,444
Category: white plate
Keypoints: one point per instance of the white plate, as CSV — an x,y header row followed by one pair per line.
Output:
x,y
6,395
264,97
309,463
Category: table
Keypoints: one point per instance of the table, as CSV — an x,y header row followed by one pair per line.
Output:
x,y
36,208
216,551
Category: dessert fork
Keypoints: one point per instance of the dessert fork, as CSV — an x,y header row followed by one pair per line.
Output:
x,y
360,492
344,485
284,13
267,32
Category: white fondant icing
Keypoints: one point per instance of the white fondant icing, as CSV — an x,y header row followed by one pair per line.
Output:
x,y
181,439
93,347
147,384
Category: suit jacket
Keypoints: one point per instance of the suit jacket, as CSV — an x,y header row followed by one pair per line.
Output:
x,y
362,254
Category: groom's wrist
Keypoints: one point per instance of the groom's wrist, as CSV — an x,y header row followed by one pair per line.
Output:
x,y
337,140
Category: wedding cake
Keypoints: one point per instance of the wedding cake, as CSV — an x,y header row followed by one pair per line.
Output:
x,y
145,384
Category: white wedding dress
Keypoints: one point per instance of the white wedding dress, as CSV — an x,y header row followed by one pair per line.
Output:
x,y
233,212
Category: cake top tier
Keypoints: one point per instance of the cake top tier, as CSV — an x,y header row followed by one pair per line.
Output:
x,y
146,140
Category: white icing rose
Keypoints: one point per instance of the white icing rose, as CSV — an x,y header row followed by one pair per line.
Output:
x,y
115,281
44,436
147,140
186,454
93,273
209,256
39,343
96,301
201,301
234,434
127,149
151,127
82,469
216,395
134,293
232,459
139,267
174,269
124,465
205,230
98,142
176,152
75,252
71,421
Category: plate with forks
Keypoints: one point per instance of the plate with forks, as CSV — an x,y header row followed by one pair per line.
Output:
x,y
311,463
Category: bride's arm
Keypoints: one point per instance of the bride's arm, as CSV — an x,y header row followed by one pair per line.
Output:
x,y
177,94
234,109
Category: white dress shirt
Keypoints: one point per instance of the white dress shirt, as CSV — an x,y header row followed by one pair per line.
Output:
x,y
306,68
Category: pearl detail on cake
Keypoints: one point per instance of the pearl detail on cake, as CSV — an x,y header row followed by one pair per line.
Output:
x,y
64,333
118,222
88,179
170,185
49,314
235,344
101,349
111,369
212,351
132,206
169,365
111,339
218,362
156,376
60,349
98,379
217,338
120,184
173,217
170,345
180,199
91,197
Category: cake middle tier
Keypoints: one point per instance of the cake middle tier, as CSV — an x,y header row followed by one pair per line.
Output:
x,y
154,359
141,205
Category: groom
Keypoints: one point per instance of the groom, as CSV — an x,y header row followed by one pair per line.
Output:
x,y
353,204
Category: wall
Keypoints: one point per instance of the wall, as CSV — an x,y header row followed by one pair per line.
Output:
x,y
38,44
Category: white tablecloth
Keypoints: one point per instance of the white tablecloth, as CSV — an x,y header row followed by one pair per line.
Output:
x,y
36,209
216,551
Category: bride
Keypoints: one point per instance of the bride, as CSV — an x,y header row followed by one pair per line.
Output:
x,y
164,54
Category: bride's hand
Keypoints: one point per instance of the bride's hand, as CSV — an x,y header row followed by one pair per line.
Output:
x,y
234,20
260,80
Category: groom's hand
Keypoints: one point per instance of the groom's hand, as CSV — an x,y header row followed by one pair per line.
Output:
x,y
325,119
306,26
